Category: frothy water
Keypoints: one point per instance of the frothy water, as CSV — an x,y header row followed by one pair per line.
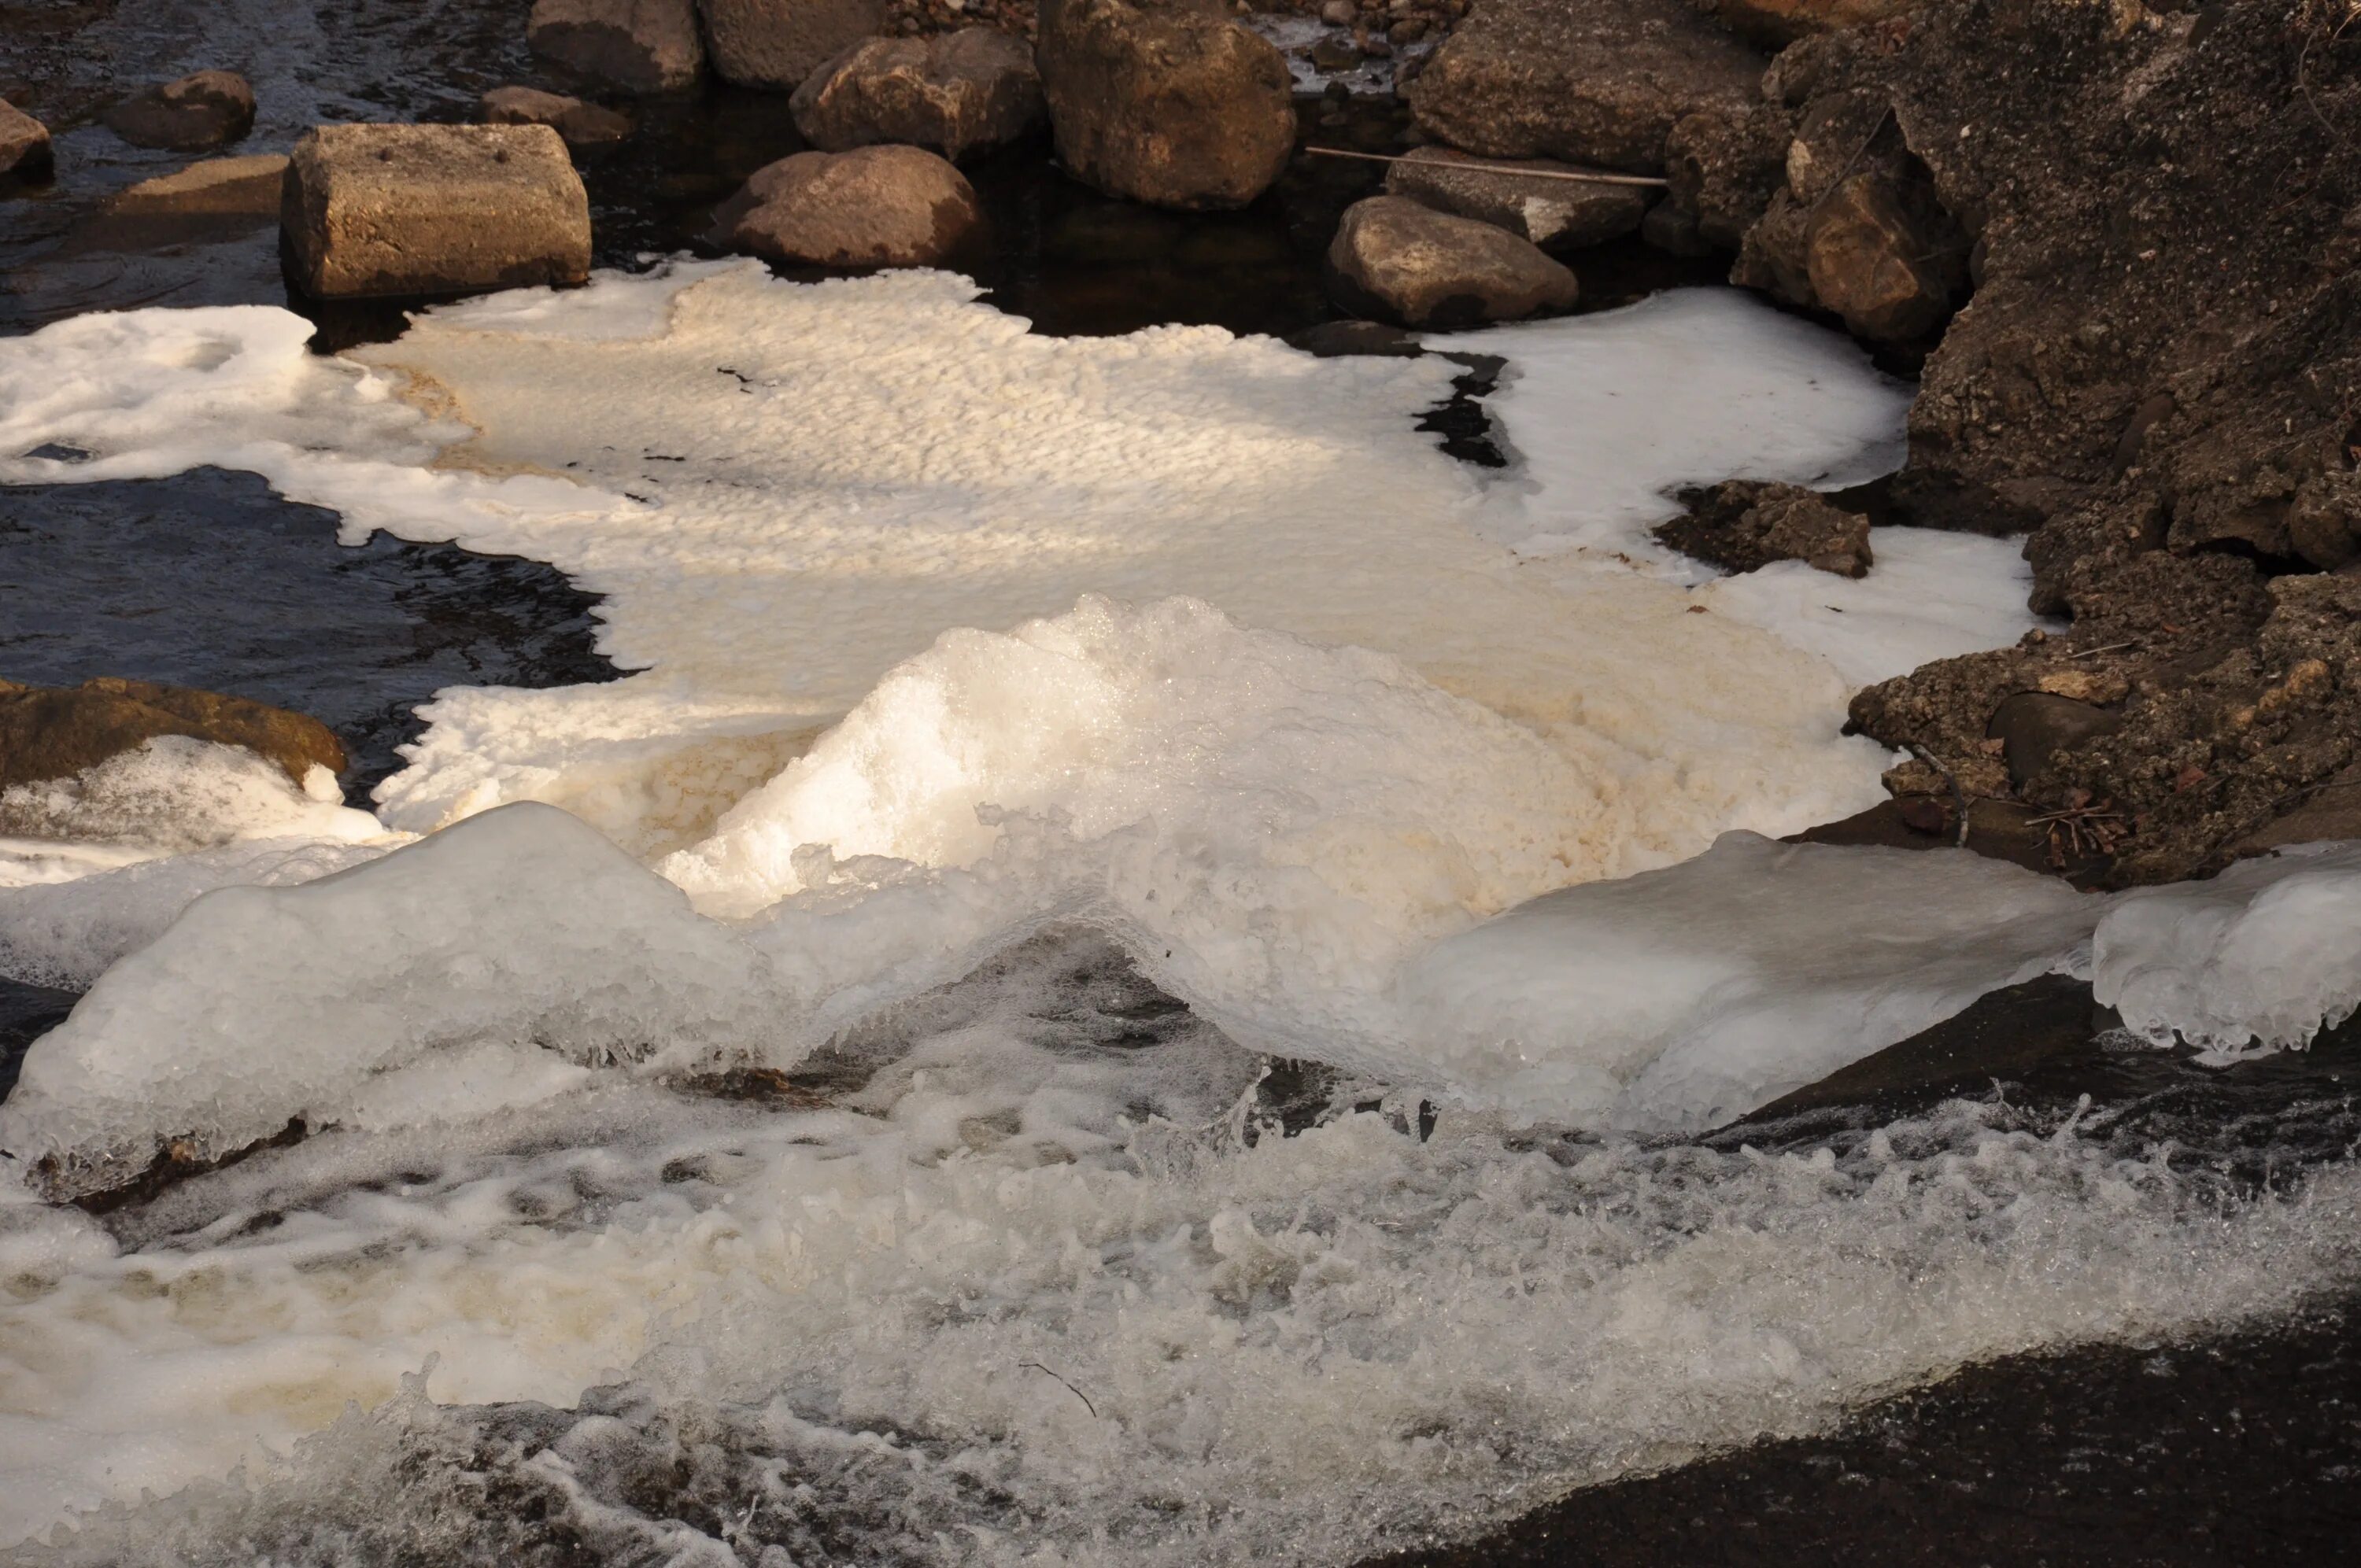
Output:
x,y
808,1099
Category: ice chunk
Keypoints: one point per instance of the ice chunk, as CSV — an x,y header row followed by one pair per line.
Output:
x,y
522,928
2259,959
1682,997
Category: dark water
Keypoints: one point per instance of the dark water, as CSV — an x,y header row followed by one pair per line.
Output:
x,y
2244,1448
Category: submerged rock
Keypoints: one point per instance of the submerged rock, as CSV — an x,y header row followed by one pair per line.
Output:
x,y
581,124
401,210
1175,107
1394,257
1597,81
1556,214
214,187
634,46
960,92
25,154
875,206
779,43
208,109
54,732
1743,525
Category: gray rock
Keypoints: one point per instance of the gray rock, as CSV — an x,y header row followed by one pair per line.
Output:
x,y
635,46
960,92
1556,214
778,43
208,109
1171,106
25,152
1594,81
581,124
213,187
2031,726
875,206
401,210
1398,259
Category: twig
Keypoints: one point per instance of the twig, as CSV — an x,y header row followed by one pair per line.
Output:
x,y
1648,179
2110,648
1077,1393
1958,796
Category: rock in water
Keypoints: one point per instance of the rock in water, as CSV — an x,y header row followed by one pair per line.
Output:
x,y
637,46
399,210
1597,81
875,206
1556,214
581,124
24,146
960,92
779,43
1745,524
1427,269
208,109
1179,108
55,732
211,187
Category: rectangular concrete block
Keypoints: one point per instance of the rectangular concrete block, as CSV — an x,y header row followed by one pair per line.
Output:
x,y
402,210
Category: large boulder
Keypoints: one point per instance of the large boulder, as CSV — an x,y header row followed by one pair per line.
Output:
x,y
1595,81
635,46
1176,108
209,109
55,732
958,93
582,125
1519,195
1396,258
404,210
778,44
875,206
25,152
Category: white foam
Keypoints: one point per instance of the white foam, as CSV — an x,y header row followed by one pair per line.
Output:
x,y
2258,959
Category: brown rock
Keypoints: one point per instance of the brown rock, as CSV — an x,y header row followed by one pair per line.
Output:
x,y
2032,726
778,43
54,732
634,46
1837,134
581,124
957,93
875,206
1724,166
208,109
1874,264
402,210
1174,107
1396,259
1775,22
25,154
1556,214
1744,524
213,187
1595,82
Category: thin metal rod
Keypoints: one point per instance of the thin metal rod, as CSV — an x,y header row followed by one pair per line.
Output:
x,y
1588,179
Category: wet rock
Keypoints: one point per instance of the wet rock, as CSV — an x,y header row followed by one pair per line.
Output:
x,y
55,732
1724,165
402,210
1744,525
779,43
1775,22
1396,259
210,108
1877,263
957,93
25,155
2032,726
1556,214
1172,107
1340,13
582,125
632,46
215,187
1594,81
875,206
